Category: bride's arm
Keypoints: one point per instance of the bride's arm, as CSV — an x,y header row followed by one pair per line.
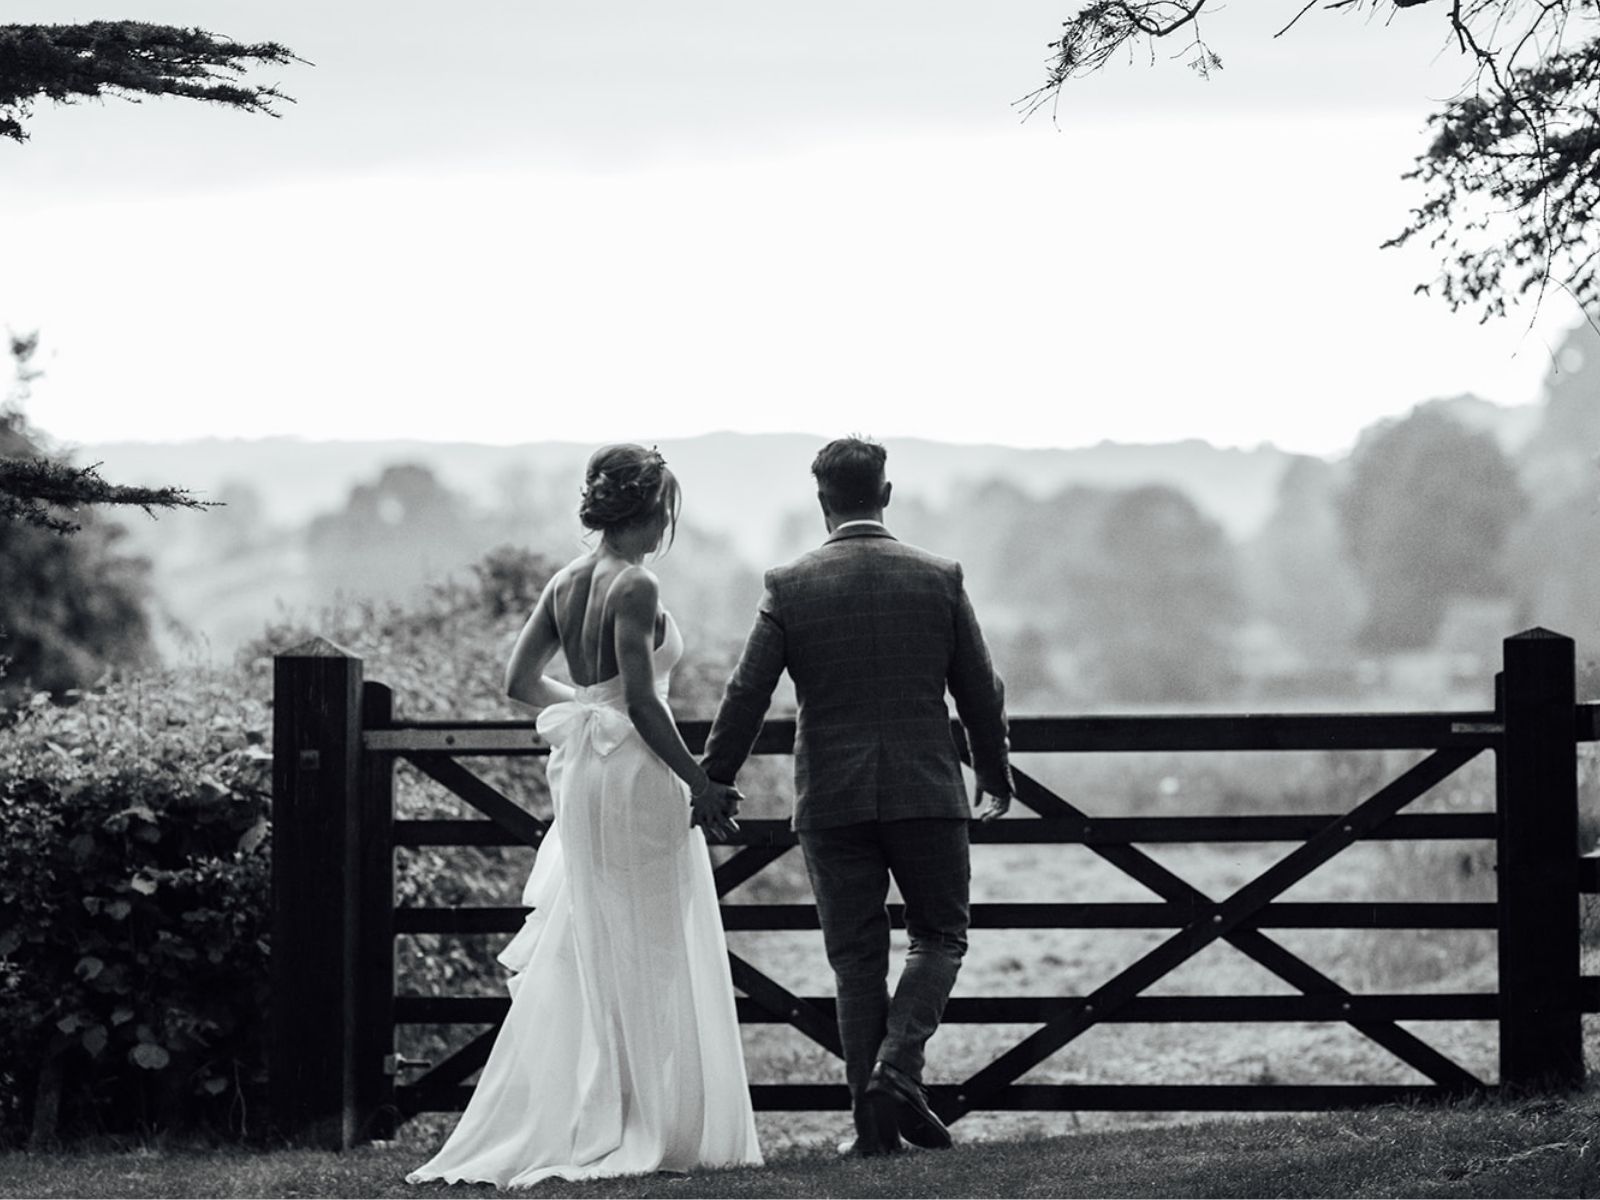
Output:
x,y
634,633
536,646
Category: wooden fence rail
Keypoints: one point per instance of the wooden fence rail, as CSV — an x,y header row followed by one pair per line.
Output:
x,y
334,1008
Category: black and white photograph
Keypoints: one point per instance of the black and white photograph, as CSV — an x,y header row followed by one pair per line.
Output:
x,y
724,599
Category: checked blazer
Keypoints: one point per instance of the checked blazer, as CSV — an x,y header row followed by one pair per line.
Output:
x,y
872,632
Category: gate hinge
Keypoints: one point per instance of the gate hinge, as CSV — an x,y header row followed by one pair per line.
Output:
x,y
393,1064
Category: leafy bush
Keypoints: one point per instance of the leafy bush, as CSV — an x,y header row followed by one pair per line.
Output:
x,y
134,881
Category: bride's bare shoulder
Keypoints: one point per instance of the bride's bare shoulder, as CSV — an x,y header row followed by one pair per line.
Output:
x,y
577,572
634,584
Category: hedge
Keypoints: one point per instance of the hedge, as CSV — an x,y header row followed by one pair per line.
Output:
x,y
134,882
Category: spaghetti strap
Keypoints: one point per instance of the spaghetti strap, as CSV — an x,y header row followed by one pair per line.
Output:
x,y
597,615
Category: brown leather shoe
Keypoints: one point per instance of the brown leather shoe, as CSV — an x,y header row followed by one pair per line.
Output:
x,y
903,1101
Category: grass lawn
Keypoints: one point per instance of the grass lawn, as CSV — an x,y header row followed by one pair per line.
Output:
x,y
1528,1148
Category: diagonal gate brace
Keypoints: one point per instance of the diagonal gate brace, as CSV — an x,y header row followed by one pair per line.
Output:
x,y
488,800
784,1004
446,1075
1215,921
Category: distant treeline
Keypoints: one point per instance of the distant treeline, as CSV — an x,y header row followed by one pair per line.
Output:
x,y
1436,536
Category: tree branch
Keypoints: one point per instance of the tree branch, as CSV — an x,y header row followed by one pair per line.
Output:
x,y
68,63
1514,164
32,489
1104,27
1295,20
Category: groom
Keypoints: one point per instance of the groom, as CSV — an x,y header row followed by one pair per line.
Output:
x,y
872,632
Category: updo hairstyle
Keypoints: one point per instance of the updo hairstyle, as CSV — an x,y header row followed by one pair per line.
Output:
x,y
626,484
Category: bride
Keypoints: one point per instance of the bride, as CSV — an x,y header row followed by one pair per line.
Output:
x,y
620,1053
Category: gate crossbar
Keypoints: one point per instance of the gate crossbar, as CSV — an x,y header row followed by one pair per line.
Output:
x,y
1215,921
1208,921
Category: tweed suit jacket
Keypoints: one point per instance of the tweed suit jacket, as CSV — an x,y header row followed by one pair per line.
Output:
x,y
872,632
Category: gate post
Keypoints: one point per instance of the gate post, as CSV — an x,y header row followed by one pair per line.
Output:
x,y
316,836
1541,1033
376,1115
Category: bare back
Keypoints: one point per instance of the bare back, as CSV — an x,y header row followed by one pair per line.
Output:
x,y
585,622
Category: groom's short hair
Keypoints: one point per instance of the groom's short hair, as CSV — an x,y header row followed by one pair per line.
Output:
x,y
849,473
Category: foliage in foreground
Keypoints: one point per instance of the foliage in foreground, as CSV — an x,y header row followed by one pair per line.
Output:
x,y
133,908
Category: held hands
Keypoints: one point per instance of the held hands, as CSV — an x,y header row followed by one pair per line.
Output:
x,y
714,807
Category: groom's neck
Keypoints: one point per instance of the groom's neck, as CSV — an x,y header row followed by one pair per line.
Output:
x,y
844,518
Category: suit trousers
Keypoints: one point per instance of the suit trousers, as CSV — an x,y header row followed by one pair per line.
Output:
x,y
850,867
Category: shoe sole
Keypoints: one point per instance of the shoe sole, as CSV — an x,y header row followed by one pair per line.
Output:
x,y
886,1120
894,1113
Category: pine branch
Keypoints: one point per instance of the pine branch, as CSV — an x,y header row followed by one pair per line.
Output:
x,y
33,489
132,59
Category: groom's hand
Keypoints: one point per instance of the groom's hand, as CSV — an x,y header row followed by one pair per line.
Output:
x,y
991,801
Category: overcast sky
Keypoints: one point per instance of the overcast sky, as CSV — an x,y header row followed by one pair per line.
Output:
x,y
580,220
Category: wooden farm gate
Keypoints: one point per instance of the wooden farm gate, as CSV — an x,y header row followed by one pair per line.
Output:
x,y
332,1061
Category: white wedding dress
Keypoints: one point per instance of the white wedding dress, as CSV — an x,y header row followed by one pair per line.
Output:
x,y
620,1053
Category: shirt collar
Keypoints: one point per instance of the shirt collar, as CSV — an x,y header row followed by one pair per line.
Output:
x,y
856,530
